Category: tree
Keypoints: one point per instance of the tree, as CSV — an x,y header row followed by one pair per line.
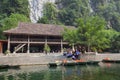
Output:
x,y
14,6
91,32
67,11
115,43
49,14
1,35
110,10
12,22
70,35
46,48
70,10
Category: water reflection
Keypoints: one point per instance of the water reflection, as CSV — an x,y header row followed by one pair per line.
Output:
x,y
102,72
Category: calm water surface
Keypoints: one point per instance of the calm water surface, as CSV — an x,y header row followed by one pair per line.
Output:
x,y
103,72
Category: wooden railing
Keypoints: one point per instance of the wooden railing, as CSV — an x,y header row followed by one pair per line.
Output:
x,y
54,40
18,39
35,40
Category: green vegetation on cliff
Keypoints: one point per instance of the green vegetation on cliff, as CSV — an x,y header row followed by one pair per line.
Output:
x,y
12,12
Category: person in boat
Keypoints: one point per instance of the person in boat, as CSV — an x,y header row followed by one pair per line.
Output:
x,y
69,54
77,54
83,50
64,53
73,57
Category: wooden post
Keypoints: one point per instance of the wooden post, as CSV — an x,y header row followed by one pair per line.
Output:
x,y
46,40
61,46
8,47
73,47
1,47
28,46
45,44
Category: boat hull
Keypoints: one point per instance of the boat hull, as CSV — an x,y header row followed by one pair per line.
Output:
x,y
111,61
9,66
73,63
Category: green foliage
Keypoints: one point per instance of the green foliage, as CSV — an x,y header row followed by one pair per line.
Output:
x,y
110,10
46,48
67,11
115,43
72,9
11,22
50,11
14,6
70,35
91,32
7,52
1,35
12,12
49,14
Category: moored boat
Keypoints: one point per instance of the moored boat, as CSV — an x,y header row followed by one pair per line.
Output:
x,y
69,63
52,65
110,61
14,66
55,64
93,62
73,63
9,66
82,62
4,66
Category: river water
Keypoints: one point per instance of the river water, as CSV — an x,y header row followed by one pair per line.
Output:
x,y
42,72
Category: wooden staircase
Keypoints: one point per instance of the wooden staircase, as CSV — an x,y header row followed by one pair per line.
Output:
x,y
18,47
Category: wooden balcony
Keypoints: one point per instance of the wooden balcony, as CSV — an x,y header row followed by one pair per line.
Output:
x,y
37,41
18,40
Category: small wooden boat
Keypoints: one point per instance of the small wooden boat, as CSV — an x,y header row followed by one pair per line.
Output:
x,y
52,64
14,66
92,62
62,63
81,62
55,64
4,66
9,66
88,63
73,63
69,63
111,61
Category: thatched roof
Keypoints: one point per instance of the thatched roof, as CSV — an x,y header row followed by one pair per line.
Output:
x,y
36,29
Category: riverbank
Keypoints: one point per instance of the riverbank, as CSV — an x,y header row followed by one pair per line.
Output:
x,y
43,59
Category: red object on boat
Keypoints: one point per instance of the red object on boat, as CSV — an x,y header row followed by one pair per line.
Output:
x,y
81,60
107,59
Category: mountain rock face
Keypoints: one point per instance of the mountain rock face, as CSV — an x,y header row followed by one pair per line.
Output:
x,y
36,8
72,9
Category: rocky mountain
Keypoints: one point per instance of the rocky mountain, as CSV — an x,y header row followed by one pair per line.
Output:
x,y
36,8
109,9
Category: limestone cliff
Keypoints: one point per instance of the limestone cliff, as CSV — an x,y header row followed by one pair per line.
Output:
x,y
36,8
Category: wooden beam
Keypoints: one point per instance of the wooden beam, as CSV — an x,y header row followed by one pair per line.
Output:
x,y
61,46
28,46
8,47
46,40
1,47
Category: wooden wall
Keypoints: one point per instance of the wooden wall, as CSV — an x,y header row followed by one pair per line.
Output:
x,y
1,47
